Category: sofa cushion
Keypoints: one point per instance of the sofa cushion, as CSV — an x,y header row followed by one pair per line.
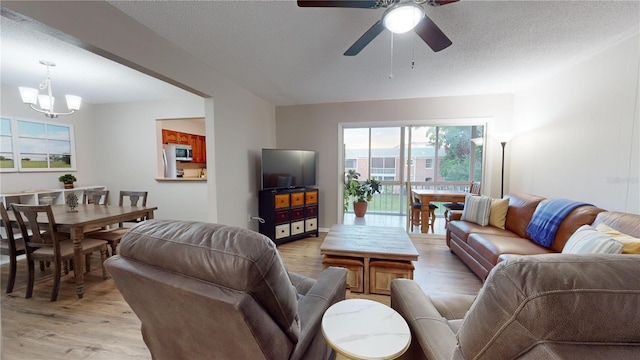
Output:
x,y
521,208
578,217
630,244
462,229
554,300
498,214
626,223
476,209
491,247
587,240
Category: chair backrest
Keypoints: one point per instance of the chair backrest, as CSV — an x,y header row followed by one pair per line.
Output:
x,y
96,197
224,284
9,235
555,306
39,229
475,188
410,201
134,197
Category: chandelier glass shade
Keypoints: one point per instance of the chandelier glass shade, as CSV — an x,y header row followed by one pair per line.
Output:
x,y
45,102
403,17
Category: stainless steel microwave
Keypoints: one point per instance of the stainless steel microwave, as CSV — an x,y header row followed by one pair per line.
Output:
x,y
183,152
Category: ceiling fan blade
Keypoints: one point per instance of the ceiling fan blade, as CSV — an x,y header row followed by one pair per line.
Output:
x,y
341,4
440,2
365,39
432,35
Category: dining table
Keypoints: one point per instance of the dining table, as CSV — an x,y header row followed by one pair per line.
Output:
x,y
431,195
87,218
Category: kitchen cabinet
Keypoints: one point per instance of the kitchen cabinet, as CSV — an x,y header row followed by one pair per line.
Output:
x,y
198,143
174,137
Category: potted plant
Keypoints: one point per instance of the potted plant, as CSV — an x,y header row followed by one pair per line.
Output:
x,y
67,180
359,192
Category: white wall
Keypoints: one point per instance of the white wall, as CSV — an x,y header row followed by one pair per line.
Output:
x,y
315,127
127,152
238,123
578,132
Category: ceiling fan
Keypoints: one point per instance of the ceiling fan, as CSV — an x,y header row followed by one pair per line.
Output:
x,y
400,16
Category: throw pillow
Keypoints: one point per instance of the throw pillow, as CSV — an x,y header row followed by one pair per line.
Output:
x,y
630,244
587,240
498,213
477,209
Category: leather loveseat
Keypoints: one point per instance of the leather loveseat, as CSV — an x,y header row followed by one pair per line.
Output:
x,y
480,247
550,306
210,291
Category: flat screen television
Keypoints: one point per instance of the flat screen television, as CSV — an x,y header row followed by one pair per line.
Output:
x,y
283,169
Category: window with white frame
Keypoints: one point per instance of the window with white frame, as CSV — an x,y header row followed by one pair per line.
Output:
x,y
30,145
7,162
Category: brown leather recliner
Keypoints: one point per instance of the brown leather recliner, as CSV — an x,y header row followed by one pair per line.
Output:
x,y
210,291
551,306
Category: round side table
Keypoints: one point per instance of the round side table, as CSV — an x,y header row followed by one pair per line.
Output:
x,y
365,329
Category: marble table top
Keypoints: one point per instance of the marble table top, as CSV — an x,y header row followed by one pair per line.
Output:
x,y
365,329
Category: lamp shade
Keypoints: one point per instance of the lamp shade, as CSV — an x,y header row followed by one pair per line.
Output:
x,y
73,102
403,17
46,102
28,95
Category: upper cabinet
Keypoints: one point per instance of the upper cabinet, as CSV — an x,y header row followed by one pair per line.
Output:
x,y
174,137
198,143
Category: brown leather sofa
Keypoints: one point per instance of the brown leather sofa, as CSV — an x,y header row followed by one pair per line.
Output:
x,y
480,247
209,291
549,306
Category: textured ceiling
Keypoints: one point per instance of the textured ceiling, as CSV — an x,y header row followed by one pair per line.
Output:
x,y
289,55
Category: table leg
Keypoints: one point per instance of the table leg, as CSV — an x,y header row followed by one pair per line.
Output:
x,y
424,218
78,269
366,275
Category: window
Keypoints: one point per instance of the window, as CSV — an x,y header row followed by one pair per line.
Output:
x,y
351,163
6,146
38,145
428,163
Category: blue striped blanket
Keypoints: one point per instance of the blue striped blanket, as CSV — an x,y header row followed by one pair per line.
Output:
x,y
547,219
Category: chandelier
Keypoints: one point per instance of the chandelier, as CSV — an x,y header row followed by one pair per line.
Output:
x,y
46,101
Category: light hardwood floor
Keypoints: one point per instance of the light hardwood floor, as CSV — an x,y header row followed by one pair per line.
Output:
x,y
102,325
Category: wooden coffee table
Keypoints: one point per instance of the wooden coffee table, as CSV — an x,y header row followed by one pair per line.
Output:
x,y
386,253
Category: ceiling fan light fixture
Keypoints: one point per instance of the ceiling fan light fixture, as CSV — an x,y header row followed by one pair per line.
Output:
x,y
403,17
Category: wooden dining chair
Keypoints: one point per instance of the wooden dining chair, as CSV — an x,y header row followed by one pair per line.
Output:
x,y
415,210
43,243
96,197
114,235
10,246
474,189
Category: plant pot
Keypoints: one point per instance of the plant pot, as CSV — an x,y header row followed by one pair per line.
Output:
x,y
68,185
360,208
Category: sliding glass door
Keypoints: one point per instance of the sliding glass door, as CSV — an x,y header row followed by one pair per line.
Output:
x,y
443,157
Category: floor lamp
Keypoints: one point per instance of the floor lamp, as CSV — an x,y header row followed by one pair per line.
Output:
x,y
503,143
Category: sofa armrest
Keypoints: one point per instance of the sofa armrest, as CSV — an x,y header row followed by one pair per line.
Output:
x,y
429,327
455,215
329,288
